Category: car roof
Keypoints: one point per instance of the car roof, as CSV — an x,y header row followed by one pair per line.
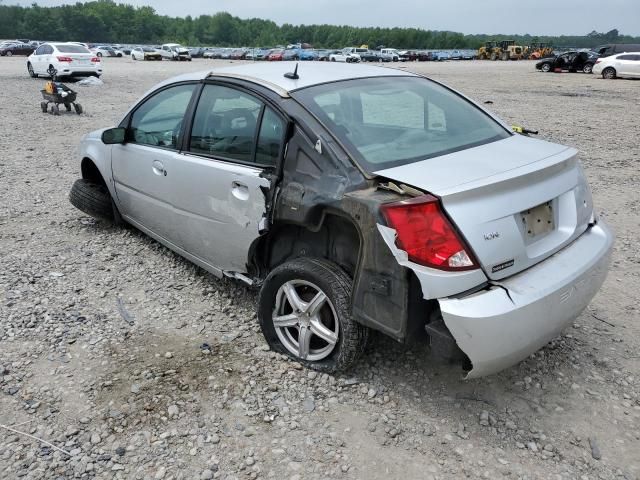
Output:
x,y
271,75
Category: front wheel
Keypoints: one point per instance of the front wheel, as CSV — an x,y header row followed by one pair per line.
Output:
x,y
545,67
304,313
609,73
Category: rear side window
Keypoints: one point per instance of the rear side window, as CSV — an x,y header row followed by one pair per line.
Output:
x,y
225,123
158,121
627,57
270,138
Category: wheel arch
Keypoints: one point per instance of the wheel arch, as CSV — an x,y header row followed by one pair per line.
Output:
x,y
334,236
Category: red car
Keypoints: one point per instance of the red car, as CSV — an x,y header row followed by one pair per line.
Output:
x,y
275,55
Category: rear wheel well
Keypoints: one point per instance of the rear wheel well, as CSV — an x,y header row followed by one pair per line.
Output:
x,y
336,239
90,172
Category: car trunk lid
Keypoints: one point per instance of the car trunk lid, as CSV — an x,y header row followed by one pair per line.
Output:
x,y
516,201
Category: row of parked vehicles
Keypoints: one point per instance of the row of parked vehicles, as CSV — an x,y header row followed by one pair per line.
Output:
x,y
610,61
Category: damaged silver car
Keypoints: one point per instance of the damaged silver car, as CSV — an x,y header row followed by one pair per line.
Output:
x,y
356,199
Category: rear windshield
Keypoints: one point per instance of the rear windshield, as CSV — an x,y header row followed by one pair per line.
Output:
x,y
391,121
71,48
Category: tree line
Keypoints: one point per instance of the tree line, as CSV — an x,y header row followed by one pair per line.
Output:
x,y
105,21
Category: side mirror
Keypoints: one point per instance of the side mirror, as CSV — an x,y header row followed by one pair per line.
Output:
x,y
113,135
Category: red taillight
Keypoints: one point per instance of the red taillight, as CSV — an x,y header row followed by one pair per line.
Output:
x,y
65,59
427,235
95,60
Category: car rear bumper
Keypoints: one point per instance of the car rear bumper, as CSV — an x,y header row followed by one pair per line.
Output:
x,y
498,327
79,71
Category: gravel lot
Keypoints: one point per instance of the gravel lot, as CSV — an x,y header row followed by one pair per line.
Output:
x,y
103,331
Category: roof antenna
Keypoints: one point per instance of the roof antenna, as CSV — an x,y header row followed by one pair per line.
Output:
x,y
292,75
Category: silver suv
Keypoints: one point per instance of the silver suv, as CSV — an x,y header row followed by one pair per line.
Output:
x,y
357,199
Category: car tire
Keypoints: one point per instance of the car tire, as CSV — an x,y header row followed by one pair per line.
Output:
x,y
545,67
588,68
32,74
94,200
9,53
334,340
609,73
333,59
99,54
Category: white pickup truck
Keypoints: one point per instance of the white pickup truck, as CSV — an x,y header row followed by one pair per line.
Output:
x,y
174,51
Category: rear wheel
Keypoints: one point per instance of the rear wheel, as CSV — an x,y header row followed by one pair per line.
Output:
x,y
609,73
9,53
44,106
588,68
304,312
99,54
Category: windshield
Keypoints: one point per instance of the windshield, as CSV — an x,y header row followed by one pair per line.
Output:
x,y
71,49
389,121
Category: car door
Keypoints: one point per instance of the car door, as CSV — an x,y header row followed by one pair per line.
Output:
x,y
634,65
624,64
144,167
38,60
224,177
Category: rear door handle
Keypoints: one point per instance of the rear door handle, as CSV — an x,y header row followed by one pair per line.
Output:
x,y
240,190
158,168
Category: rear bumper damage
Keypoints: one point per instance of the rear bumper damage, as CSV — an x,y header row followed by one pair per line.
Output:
x,y
500,326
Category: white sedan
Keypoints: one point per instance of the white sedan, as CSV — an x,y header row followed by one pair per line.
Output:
x,y
344,56
63,60
620,65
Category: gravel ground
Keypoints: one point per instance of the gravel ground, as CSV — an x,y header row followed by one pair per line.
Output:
x,y
140,365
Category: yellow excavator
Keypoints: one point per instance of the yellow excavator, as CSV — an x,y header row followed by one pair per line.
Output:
x,y
539,50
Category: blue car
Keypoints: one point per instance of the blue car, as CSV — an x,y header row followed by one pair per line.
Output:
x,y
308,54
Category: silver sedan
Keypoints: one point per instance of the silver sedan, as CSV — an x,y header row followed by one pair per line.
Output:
x,y
357,199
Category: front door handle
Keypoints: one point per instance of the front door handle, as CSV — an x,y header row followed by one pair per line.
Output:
x,y
158,168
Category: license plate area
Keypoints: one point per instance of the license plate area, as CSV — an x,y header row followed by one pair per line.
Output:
x,y
538,220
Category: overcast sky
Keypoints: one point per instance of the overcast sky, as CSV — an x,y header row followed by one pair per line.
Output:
x,y
538,17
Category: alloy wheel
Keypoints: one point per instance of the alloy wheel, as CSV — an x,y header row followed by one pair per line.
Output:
x,y
305,320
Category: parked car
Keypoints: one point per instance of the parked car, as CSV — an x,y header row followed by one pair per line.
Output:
x,y
57,60
238,54
569,61
145,53
196,52
389,55
262,53
276,55
323,55
307,54
624,65
213,53
347,55
370,56
9,50
437,216
291,54
615,48
104,51
174,51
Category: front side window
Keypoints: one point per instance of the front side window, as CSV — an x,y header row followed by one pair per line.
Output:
x,y
158,121
225,123
389,121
